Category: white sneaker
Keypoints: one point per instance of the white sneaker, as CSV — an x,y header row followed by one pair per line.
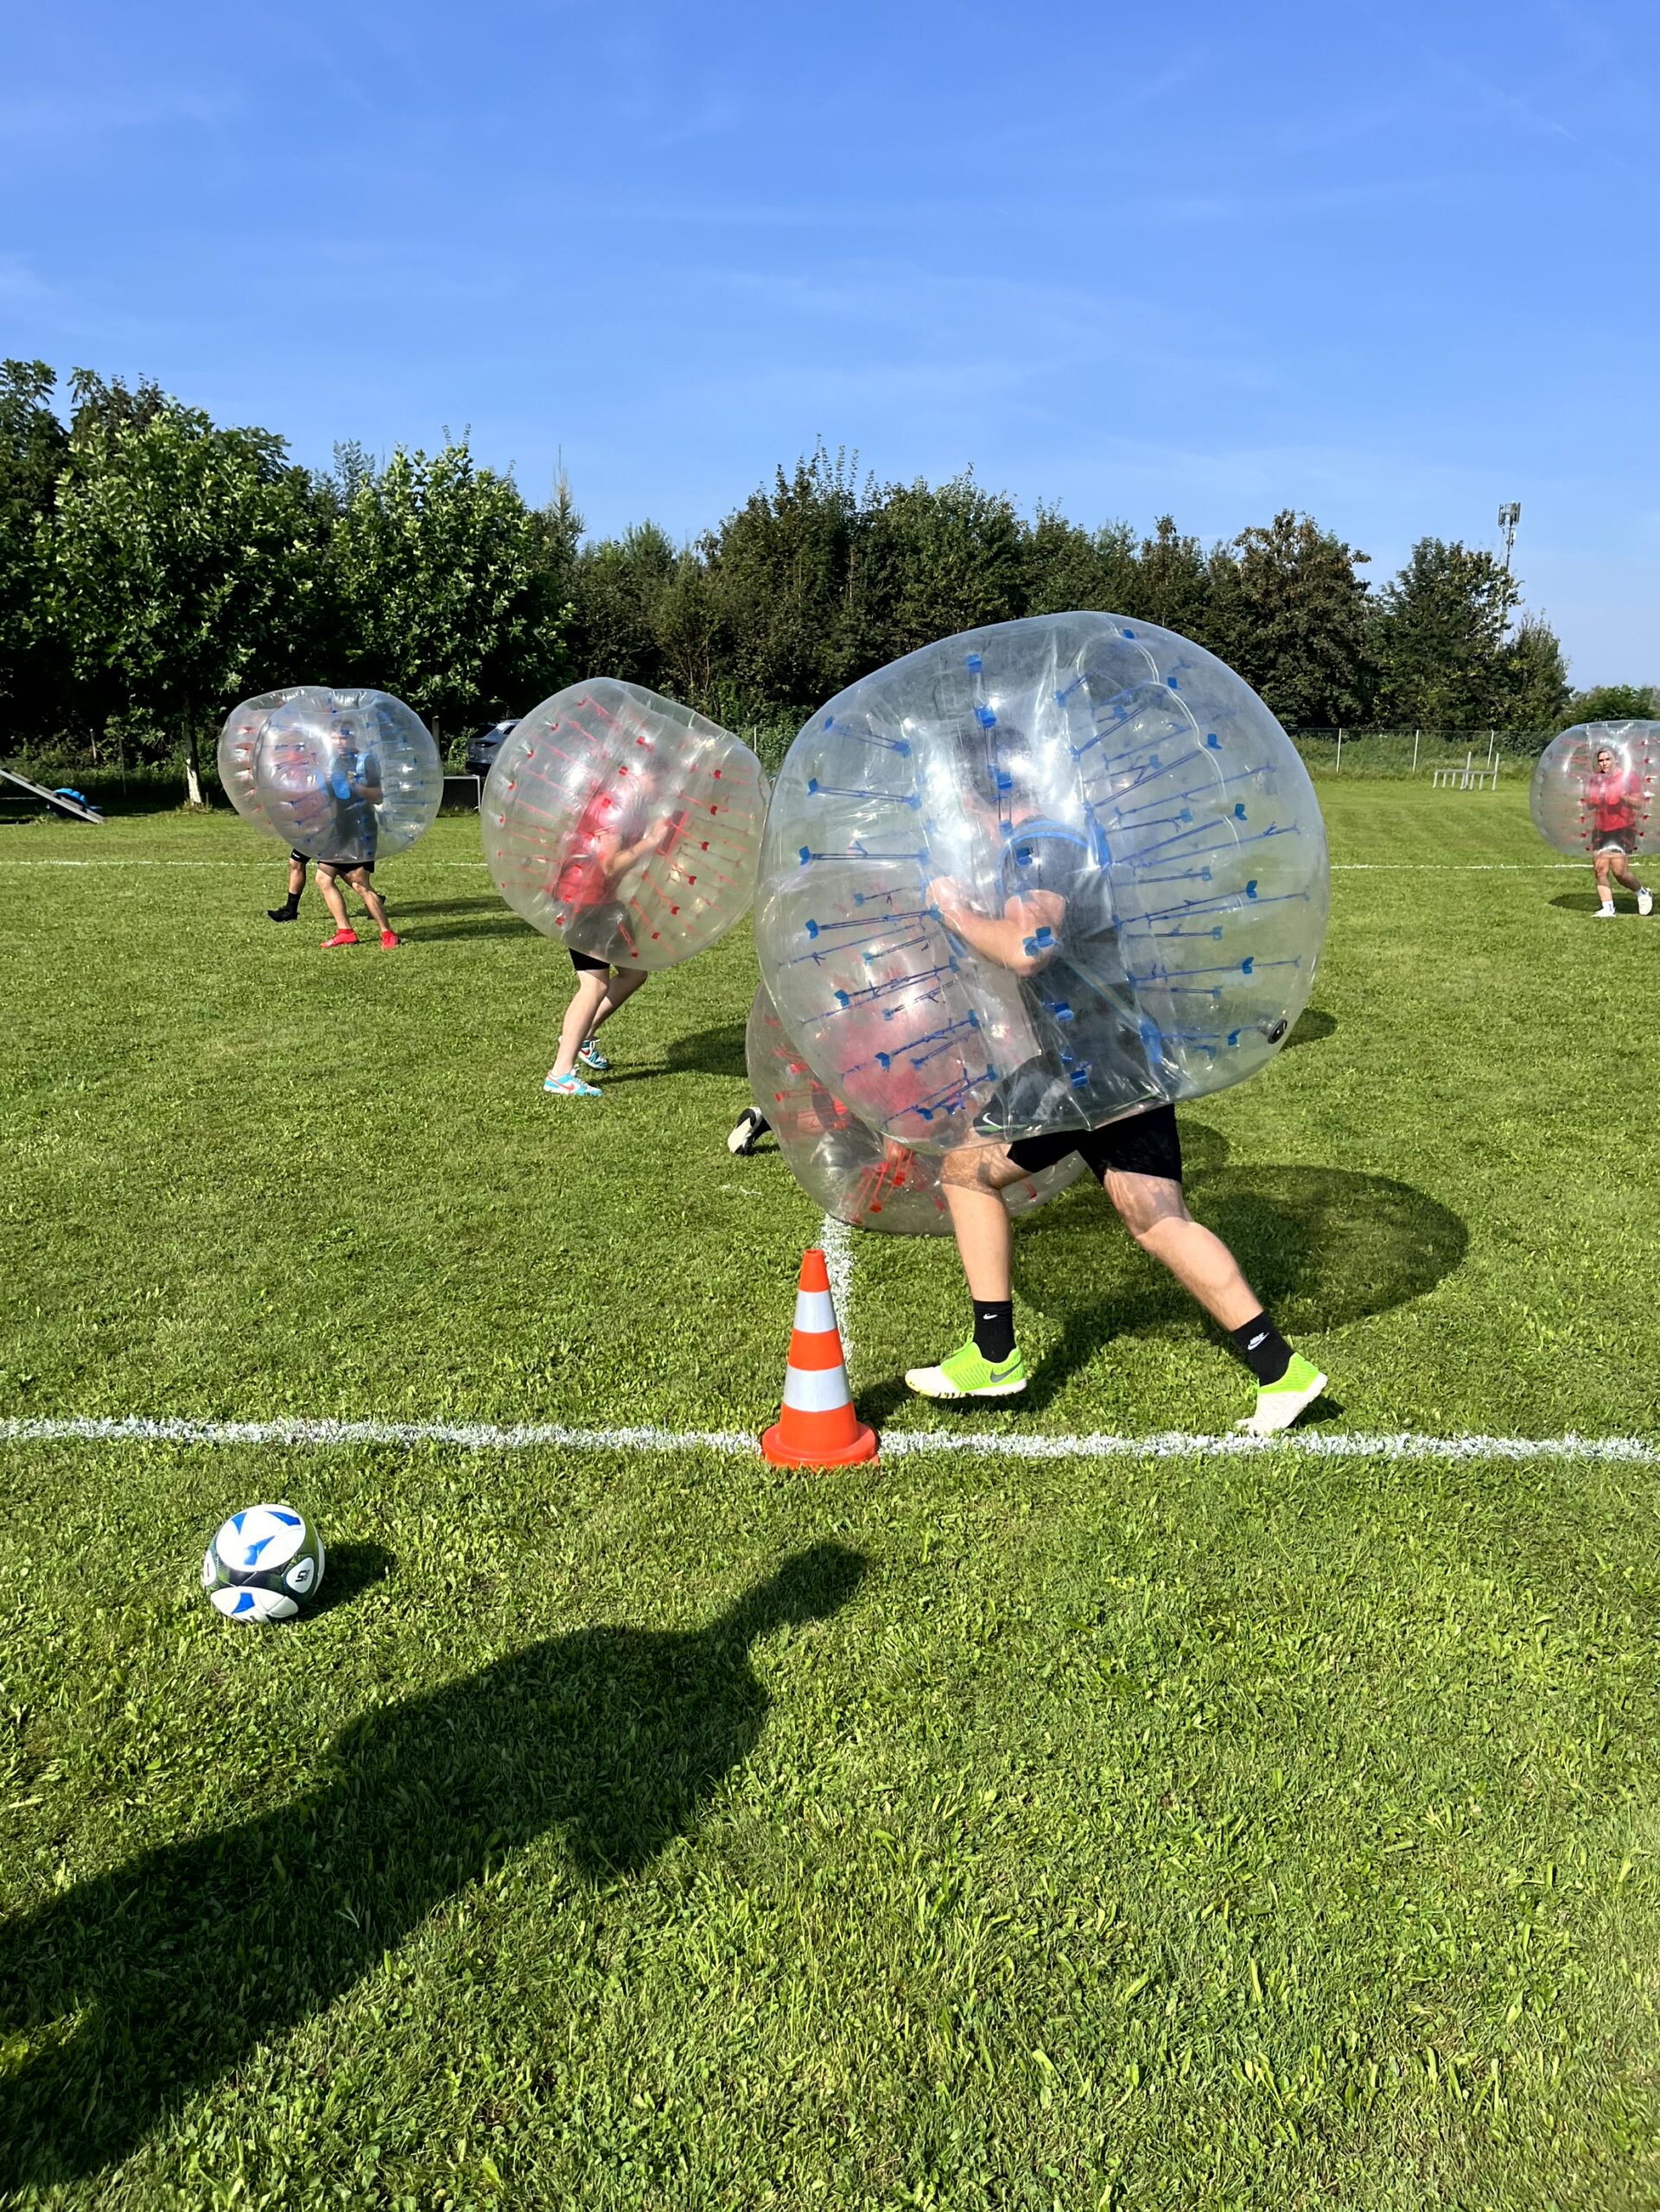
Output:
x,y
1603,914
1644,900
1278,1404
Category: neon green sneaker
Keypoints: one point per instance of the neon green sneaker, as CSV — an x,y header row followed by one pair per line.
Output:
x,y
1278,1404
968,1373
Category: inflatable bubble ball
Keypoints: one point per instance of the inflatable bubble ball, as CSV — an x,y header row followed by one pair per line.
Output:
x,y
263,1564
238,753
847,1170
1595,786
624,823
348,776
1037,877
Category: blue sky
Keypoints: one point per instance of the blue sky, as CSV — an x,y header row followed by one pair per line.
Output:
x,y
1391,265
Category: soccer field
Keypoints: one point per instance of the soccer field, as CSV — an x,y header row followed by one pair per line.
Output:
x,y
653,1828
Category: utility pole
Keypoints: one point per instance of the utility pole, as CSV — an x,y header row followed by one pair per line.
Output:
x,y
1509,515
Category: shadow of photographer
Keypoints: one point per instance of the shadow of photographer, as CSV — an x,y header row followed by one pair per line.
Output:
x,y
180,1962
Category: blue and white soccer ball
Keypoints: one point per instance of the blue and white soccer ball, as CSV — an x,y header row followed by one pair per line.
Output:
x,y
264,1564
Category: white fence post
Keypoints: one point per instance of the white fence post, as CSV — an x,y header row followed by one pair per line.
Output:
x,y
1415,736
1339,752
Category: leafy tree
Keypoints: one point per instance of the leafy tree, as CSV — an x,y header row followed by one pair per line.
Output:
x,y
33,446
1610,702
1534,678
1068,567
1439,638
616,588
448,585
688,631
784,568
1295,621
936,561
1174,582
186,564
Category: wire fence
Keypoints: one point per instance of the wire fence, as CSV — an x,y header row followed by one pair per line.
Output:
x,y
1426,753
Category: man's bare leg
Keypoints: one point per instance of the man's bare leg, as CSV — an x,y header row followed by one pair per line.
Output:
x,y
328,886
363,884
290,909
1155,1213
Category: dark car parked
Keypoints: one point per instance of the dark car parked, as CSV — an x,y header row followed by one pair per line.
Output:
x,y
482,749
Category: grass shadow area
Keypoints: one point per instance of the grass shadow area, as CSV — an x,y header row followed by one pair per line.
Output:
x,y
501,924
1313,1027
1321,1246
348,1571
108,1993
1586,902
704,1051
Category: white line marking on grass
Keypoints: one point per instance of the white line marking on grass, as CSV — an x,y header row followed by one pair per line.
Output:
x,y
835,1241
897,1443
1459,867
261,861
1339,867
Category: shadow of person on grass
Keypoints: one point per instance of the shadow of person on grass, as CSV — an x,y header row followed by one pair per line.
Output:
x,y
1586,902
706,1051
1313,1027
134,1989
1320,1246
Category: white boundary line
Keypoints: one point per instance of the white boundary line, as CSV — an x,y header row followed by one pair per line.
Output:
x,y
1339,867
260,860
1171,1444
836,1241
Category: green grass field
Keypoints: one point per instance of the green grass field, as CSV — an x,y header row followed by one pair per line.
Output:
x,y
663,1829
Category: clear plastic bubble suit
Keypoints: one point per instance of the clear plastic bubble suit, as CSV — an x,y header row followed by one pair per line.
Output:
x,y
625,823
238,752
848,1169
1583,801
1120,810
347,776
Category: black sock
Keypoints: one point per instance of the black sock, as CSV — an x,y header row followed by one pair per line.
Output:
x,y
1263,1350
994,1328
291,904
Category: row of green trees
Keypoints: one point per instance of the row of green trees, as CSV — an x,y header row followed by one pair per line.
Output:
x,y
155,567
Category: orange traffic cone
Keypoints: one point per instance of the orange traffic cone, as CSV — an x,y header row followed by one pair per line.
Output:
x,y
816,1425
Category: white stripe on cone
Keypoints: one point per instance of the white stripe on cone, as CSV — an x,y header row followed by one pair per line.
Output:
x,y
815,1312
815,1390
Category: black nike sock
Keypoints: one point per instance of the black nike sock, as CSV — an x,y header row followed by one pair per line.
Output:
x,y
1263,1350
994,1328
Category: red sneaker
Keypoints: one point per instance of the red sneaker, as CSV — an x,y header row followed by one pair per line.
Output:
x,y
340,937
389,940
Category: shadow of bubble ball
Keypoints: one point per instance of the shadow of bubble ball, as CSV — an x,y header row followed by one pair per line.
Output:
x,y
1037,877
1596,786
844,1166
625,823
351,776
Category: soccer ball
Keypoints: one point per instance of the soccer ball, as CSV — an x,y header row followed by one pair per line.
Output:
x,y
263,1564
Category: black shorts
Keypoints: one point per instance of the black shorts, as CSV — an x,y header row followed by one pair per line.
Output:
x,y
1147,1143
585,963
349,868
1614,840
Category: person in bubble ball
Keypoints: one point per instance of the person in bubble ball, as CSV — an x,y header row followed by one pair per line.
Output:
x,y
606,846
1056,919
1612,797
352,784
